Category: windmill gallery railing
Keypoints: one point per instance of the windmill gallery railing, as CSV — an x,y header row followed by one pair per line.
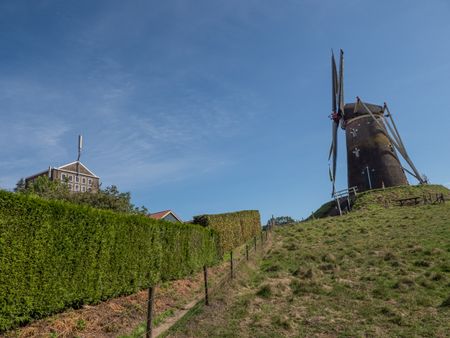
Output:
x,y
345,196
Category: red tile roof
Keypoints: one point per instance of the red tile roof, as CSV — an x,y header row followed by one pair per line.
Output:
x,y
160,214
164,213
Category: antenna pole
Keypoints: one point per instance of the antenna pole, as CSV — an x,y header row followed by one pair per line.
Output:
x,y
80,146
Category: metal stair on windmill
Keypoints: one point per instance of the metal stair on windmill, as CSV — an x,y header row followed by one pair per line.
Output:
x,y
372,140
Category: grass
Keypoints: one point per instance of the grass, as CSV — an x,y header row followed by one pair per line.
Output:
x,y
382,270
386,198
140,330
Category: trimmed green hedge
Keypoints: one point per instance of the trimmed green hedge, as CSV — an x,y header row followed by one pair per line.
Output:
x,y
55,255
185,249
234,228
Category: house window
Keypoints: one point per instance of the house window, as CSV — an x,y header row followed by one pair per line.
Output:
x,y
83,180
83,188
70,186
90,181
77,178
70,178
89,189
77,187
63,177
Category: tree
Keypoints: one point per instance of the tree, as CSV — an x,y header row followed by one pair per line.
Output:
x,y
281,220
109,198
44,187
20,185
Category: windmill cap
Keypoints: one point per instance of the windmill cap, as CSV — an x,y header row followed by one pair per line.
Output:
x,y
349,110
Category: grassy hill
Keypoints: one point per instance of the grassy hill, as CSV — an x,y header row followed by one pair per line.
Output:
x,y
384,197
381,270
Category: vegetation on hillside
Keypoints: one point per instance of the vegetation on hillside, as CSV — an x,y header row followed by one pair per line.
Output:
x,y
55,255
233,228
386,197
374,272
280,220
109,198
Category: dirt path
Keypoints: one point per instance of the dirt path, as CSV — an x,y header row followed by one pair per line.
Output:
x,y
218,285
217,313
159,330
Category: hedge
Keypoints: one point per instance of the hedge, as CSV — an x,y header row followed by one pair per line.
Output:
x,y
55,255
185,249
234,228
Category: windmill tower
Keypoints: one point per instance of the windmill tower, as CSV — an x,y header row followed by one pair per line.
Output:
x,y
372,140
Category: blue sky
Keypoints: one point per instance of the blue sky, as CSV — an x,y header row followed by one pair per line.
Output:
x,y
211,106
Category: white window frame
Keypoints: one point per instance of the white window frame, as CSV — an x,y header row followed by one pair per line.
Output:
x,y
77,187
90,181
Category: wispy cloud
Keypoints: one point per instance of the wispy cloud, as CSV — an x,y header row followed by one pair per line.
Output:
x,y
131,147
168,143
148,115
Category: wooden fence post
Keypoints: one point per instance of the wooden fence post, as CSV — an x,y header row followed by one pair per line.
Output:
x,y
151,298
205,277
246,251
231,263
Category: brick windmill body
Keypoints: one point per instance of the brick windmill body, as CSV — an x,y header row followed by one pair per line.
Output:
x,y
372,139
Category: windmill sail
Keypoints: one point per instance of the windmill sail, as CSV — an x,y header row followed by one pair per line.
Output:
x,y
341,84
337,107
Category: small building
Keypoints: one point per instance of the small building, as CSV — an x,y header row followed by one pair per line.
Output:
x,y
77,176
166,215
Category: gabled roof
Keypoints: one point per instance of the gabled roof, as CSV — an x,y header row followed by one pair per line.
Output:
x,y
67,166
162,214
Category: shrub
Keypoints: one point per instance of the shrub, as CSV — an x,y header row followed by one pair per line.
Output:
x,y
185,249
55,255
109,198
234,228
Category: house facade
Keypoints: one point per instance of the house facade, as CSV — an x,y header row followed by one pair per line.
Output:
x,y
75,174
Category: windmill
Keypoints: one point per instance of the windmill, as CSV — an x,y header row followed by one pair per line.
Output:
x,y
372,140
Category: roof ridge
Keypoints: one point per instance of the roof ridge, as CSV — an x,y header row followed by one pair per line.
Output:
x,y
67,164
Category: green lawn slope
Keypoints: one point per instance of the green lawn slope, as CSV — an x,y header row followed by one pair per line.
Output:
x,y
381,270
384,197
